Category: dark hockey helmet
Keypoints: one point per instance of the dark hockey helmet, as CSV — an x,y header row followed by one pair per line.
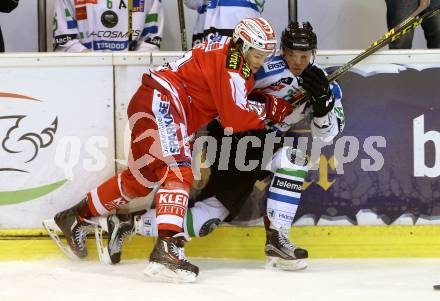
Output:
x,y
299,36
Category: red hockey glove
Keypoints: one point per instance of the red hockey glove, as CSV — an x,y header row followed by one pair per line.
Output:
x,y
276,108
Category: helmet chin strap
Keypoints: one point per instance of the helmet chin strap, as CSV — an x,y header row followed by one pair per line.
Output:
x,y
245,49
313,56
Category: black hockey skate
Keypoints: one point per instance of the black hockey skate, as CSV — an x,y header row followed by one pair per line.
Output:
x,y
119,227
168,261
73,227
282,254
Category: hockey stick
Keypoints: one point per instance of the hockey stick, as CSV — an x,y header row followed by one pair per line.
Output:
x,y
401,29
292,7
130,25
182,25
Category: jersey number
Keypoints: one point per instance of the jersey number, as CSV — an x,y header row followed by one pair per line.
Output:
x,y
176,65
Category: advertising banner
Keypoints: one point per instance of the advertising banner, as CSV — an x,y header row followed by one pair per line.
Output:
x,y
56,139
62,128
385,167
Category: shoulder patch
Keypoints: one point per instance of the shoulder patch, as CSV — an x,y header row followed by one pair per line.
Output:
x,y
233,60
246,71
216,43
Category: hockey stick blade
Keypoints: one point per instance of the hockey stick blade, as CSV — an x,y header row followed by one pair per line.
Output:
x,y
403,28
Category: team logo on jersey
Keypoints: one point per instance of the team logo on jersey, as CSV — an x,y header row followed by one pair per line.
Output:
x,y
233,60
281,84
215,43
276,65
109,19
287,80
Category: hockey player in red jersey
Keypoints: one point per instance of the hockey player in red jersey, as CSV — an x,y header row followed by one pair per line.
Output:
x,y
227,191
173,101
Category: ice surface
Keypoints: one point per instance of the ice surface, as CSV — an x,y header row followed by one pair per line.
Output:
x,y
330,279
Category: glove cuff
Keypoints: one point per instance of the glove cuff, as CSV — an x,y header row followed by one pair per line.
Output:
x,y
321,122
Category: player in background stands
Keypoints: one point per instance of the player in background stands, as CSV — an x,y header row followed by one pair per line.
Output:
x,y
219,17
103,25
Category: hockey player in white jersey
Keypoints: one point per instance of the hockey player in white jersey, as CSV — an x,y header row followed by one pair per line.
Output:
x,y
219,17
222,198
293,67
103,25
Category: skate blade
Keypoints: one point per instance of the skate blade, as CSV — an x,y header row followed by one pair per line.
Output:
x,y
158,272
276,263
52,229
104,256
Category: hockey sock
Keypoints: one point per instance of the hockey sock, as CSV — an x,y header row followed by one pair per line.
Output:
x,y
204,217
171,207
284,197
115,192
200,220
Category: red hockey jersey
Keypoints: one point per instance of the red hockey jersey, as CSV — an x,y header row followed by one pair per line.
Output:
x,y
213,80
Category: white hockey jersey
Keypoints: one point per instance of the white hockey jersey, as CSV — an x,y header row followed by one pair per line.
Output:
x,y
102,25
276,79
219,17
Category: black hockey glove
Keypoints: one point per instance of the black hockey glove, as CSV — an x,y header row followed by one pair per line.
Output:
x,y
316,84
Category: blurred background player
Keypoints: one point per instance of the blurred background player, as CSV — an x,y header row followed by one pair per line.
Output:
x,y
103,25
399,10
228,190
6,6
219,17
173,102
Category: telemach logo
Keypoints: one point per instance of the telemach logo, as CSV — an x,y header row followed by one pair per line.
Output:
x,y
287,184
